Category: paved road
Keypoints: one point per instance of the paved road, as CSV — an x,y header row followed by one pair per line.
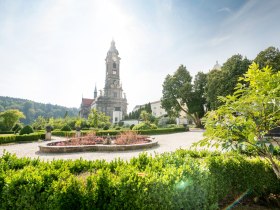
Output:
x,y
167,143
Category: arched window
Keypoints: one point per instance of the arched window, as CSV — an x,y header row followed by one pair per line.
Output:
x,y
114,65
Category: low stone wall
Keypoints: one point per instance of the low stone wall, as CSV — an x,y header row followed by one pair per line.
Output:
x,y
97,147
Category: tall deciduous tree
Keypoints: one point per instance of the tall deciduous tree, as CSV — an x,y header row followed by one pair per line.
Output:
x,y
222,82
248,115
269,57
9,118
180,95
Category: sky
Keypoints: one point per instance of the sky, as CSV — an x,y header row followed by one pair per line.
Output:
x,y
53,51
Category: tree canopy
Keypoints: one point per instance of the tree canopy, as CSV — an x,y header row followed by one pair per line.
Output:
x,y
9,118
269,57
248,115
222,82
179,94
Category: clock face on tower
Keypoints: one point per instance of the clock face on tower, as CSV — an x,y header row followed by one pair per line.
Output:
x,y
114,58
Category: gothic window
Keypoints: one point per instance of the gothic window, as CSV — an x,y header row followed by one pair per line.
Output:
x,y
116,119
115,95
114,65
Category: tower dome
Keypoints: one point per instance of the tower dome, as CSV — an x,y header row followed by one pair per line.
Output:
x,y
217,66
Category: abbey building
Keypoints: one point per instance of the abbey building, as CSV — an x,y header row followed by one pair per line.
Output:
x,y
112,101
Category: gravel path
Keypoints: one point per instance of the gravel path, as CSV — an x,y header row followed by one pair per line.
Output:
x,y
167,143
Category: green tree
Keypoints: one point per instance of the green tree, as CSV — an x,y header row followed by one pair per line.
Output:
x,y
9,118
39,123
222,82
145,116
179,95
248,115
98,119
197,101
269,57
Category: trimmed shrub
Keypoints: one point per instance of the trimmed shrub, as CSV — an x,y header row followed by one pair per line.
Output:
x,y
131,127
66,128
178,180
30,137
7,132
106,127
17,127
162,131
144,126
24,137
26,130
7,139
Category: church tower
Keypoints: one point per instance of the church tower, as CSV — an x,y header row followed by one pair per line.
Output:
x,y
112,101
113,87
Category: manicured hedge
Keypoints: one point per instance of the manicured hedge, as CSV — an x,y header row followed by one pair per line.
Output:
x,y
116,132
7,139
162,131
179,180
7,132
19,138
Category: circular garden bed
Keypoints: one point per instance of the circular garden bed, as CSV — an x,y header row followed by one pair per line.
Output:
x,y
124,141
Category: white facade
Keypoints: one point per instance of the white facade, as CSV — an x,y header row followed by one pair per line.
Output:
x,y
157,110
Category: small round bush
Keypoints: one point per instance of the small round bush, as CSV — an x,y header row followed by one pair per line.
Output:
x,y
131,127
106,127
144,126
66,128
17,128
26,130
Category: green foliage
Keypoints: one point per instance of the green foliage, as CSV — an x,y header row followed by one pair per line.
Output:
x,y
17,127
7,139
179,180
248,115
162,131
39,123
9,118
131,126
26,130
269,57
30,137
106,127
179,94
98,119
136,114
32,110
66,128
144,126
164,121
222,82
25,137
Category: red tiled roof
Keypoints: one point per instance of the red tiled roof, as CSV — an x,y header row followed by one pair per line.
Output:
x,y
87,101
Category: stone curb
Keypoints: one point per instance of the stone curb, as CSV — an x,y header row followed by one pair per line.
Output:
x,y
98,147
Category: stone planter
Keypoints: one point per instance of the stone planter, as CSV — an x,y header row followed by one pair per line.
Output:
x,y
48,135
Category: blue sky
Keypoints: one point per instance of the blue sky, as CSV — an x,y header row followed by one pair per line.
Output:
x,y
53,51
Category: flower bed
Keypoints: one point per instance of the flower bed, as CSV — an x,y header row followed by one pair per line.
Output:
x,y
125,141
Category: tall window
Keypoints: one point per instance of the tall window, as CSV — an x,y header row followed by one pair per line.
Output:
x,y
114,65
115,95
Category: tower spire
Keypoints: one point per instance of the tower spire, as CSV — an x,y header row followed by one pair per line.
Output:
x,y
95,92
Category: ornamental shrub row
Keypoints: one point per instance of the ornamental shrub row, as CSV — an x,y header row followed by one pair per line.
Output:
x,y
178,180
19,138
7,132
116,132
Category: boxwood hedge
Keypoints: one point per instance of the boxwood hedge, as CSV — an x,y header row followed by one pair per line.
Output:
x,y
19,138
179,180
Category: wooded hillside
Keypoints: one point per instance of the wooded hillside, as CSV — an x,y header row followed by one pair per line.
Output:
x,y
32,109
